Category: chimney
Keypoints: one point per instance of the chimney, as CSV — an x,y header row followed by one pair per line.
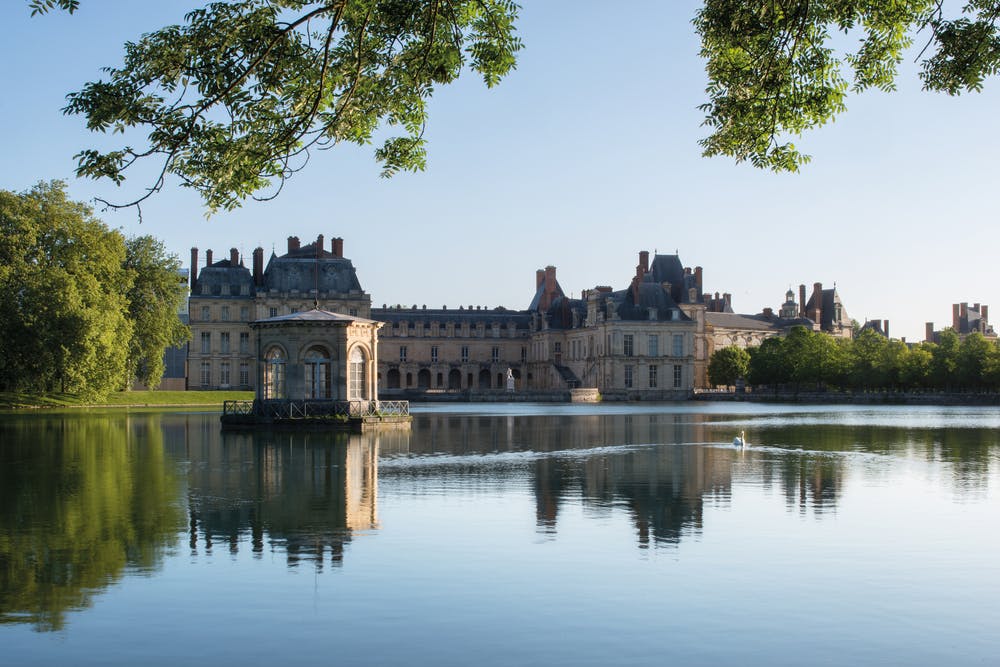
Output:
x,y
293,243
697,278
769,313
816,314
956,317
644,261
234,257
965,316
802,300
539,278
982,313
258,266
208,257
550,287
338,247
728,300
929,332
194,266
885,327
319,245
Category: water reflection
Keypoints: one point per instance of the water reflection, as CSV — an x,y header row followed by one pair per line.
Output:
x,y
82,500
302,494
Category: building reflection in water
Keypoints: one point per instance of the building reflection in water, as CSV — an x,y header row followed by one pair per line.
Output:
x,y
304,494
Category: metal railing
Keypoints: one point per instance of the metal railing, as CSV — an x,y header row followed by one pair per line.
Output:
x,y
311,409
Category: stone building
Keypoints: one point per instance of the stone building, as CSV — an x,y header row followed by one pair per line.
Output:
x,y
965,320
226,296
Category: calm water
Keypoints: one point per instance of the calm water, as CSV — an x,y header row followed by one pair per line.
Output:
x,y
505,535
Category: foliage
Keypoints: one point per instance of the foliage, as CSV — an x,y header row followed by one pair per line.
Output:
x,y
728,365
872,362
78,310
233,101
155,296
774,71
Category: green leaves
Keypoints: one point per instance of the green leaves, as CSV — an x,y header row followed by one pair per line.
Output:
x,y
233,101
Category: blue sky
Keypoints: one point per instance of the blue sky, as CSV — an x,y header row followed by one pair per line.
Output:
x,y
581,158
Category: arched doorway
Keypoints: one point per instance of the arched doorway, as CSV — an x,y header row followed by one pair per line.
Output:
x,y
317,373
357,381
393,378
424,378
274,374
484,378
454,379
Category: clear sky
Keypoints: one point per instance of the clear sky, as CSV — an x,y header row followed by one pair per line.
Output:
x,y
581,158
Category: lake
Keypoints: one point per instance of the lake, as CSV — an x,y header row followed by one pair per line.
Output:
x,y
513,534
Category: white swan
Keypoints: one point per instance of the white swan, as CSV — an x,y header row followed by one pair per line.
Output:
x,y
740,440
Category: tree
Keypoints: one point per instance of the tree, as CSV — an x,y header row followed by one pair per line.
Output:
x,y
728,365
155,296
768,364
63,324
81,310
233,100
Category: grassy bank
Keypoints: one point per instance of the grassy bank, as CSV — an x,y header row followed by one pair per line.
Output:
x,y
123,399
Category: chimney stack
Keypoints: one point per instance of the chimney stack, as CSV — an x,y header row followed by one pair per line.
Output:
x,y
965,316
338,247
982,313
929,332
293,243
234,257
194,266
319,245
802,300
258,266
644,261
550,287
885,327
956,317
539,278
208,257
698,274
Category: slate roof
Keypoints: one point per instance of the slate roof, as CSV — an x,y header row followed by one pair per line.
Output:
x,y
298,271
222,277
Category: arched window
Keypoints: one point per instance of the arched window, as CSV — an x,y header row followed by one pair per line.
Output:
x,y
317,378
274,374
357,389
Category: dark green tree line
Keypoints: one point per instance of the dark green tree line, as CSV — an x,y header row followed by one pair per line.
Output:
x,y
808,359
82,309
232,101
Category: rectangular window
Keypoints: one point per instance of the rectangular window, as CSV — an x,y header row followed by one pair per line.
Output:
x,y
524,354
205,314
225,313
402,353
558,347
678,375
272,312
678,345
245,313
654,345
206,342
224,374
627,345
465,353
244,344
206,373
434,353
224,342
628,377
353,312
496,354
652,376
244,373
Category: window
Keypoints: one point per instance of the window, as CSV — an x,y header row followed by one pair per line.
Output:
x,y
628,377
244,373
558,347
678,370
224,374
465,353
353,312
224,342
244,344
678,345
524,354
245,313
627,345
654,345
225,313
495,355
205,314
652,376
356,389
402,353
206,373
206,342
434,353
272,312
274,374
294,310
317,368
